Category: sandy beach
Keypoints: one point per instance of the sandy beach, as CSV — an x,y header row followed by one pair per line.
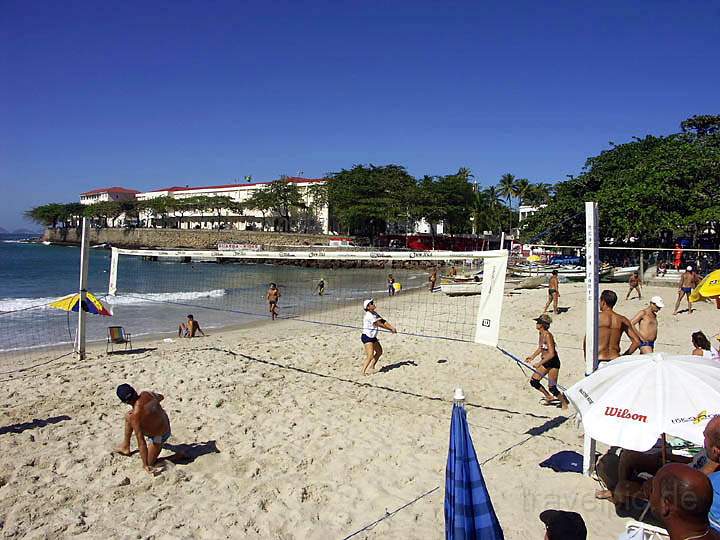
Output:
x,y
288,440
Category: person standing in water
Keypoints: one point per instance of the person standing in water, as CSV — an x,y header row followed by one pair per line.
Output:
x,y
273,297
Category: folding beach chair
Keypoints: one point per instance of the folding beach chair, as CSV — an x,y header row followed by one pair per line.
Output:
x,y
116,335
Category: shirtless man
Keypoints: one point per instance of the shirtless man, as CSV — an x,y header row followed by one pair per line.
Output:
x,y
646,325
553,293
611,328
634,283
148,420
688,280
433,279
273,295
190,329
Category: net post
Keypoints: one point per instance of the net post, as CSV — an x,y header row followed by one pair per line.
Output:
x,y
84,254
487,324
112,286
592,265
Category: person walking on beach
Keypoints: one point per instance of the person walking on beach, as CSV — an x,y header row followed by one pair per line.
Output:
x,y
548,363
611,327
391,285
553,293
634,283
688,281
646,324
148,420
372,321
433,279
273,296
320,287
190,328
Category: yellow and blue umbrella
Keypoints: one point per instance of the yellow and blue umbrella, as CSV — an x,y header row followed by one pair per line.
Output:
x,y
709,287
72,303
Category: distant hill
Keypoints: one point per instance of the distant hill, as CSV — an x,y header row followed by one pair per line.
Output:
x,y
24,231
3,231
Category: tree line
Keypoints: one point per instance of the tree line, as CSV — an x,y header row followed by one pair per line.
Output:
x,y
364,201
282,199
648,190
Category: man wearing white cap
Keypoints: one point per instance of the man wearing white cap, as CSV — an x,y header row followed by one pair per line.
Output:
x,y
646,325
372,321
688,280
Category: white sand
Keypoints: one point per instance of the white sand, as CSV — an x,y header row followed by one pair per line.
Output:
x,y
308,448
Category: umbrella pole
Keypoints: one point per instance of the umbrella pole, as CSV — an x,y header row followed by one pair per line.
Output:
x,y
84,254
664,449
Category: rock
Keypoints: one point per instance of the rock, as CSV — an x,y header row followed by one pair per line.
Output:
x,y
124,482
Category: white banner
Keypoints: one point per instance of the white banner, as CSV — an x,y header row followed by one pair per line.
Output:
x,y
487,327
320,254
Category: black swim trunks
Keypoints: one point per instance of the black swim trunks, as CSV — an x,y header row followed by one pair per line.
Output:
x,y
553,363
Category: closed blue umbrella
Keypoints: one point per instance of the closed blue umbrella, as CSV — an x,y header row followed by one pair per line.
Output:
x,y
469,514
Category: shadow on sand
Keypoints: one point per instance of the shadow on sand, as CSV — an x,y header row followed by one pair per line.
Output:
x,y
36,423
397,365
188,453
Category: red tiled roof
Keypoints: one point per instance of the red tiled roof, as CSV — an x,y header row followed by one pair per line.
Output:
x,y
293,179
111,190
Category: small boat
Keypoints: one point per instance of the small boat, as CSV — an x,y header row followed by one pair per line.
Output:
x,y
569,272
462,289
622,274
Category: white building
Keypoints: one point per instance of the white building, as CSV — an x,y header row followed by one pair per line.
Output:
x,y
526,211
249,219
108,194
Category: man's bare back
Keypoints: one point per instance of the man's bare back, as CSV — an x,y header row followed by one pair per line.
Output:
x,y
611,328
687,280
147,419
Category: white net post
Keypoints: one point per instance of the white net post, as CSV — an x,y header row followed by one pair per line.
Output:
x,y
84,255
487,329
112,286
592,262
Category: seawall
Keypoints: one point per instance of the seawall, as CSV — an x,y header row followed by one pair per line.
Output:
x,y
182,238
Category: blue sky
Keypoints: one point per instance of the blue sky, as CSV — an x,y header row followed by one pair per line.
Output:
x,y
145,95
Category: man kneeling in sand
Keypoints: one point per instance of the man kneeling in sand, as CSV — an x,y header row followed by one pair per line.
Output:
x,y
148,420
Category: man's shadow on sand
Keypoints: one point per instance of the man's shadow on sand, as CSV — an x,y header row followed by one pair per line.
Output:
x,y
36,423
184,454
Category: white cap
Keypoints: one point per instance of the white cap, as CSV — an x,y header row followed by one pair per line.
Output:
x,y
367,302
657,301
689,268
459,395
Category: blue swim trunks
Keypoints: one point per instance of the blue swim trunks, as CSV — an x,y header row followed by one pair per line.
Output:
x,y
158,440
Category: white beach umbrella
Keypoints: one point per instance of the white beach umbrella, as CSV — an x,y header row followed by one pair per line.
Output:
x,y
635,399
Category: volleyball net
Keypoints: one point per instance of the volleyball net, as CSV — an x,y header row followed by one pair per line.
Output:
x,y
156,289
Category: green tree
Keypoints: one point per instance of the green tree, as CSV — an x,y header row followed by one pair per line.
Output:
x,y
283,196
522,190
365,198
47,215
260,201
506,187
644,188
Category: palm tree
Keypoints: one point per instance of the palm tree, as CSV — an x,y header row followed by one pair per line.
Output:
x,y
506,188
522,190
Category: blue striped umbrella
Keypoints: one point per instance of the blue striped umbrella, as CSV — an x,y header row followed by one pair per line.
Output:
x,y
469,514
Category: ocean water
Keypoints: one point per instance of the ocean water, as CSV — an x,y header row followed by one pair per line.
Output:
x,y
154,297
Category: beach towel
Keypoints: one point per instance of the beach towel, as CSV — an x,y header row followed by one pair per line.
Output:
x,y
565,461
